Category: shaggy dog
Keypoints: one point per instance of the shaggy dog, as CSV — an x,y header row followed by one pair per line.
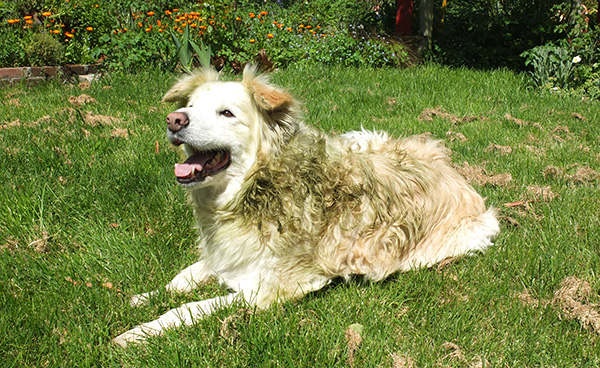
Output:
x,y
283,209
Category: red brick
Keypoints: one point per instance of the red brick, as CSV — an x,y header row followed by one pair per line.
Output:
x,y
93,69
9,73
76,69
50,71
35,71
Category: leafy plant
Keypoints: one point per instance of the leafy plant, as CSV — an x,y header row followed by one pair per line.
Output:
x,y
44,49
186,50
552,66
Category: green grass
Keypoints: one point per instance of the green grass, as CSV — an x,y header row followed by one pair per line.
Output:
x,y
79,206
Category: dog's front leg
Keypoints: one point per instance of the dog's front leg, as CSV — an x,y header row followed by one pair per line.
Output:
x,y
186,315
186,281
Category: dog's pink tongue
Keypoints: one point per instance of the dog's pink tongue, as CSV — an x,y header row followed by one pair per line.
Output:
x,y
187,171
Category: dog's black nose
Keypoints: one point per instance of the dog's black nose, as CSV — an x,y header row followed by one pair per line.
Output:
x,y
176,121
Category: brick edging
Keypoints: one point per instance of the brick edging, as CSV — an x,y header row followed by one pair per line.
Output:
x,y
40,73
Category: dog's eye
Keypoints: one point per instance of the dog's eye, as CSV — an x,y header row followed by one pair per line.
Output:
x,y
227,114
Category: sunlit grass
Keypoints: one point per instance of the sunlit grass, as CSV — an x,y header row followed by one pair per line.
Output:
x,y
89,217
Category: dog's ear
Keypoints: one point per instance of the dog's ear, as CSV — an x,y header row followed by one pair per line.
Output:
x,y
181,91
280,107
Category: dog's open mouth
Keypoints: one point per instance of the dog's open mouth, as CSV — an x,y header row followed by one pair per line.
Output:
x,y
201,165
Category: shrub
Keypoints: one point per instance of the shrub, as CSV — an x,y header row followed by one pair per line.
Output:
x,y
573,62
490,34
43,49
12,52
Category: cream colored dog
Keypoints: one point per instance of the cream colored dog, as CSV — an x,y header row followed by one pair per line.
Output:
x,y
283,209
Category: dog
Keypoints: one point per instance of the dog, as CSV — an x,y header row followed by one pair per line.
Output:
x,y
283,208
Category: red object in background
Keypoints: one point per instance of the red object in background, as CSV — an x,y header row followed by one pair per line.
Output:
x,y
404,17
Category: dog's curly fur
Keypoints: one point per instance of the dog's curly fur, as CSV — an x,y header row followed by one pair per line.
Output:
x,y
296,208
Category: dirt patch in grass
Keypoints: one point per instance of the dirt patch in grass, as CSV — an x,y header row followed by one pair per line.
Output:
x,y
81,100
479,175
572,301
97,119
454,352
574,174
496,148
429,114
541,194
353,339
119,133
455,136
520,122
402,361
562,133
228,329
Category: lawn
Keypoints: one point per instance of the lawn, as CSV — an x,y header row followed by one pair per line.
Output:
x,y
90,214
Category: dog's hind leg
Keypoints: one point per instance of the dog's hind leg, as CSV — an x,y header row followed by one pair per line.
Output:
x,y
186,281
186,315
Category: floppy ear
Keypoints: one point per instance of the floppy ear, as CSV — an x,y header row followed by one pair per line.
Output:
x,y
279,107
181,91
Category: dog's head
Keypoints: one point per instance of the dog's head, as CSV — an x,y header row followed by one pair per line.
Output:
x,y
225,127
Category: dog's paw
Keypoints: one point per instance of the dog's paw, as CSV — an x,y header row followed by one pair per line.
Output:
x,y
140,299
133,336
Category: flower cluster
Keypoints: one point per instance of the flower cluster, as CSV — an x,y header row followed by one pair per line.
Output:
x,y
90,29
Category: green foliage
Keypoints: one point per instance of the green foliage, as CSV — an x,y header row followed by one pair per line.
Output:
x,y
136,33
489,34
134,50
572,63
43,49
186,49
12,52
552,66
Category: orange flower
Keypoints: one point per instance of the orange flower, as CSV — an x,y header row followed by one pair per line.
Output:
x,y
175,10
29,21
150,13
308,27
301,26
89,29
263,13
252,40
27,17
270,35
69,34
56,31
238,18
46,14
148,29
252,15
168,12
